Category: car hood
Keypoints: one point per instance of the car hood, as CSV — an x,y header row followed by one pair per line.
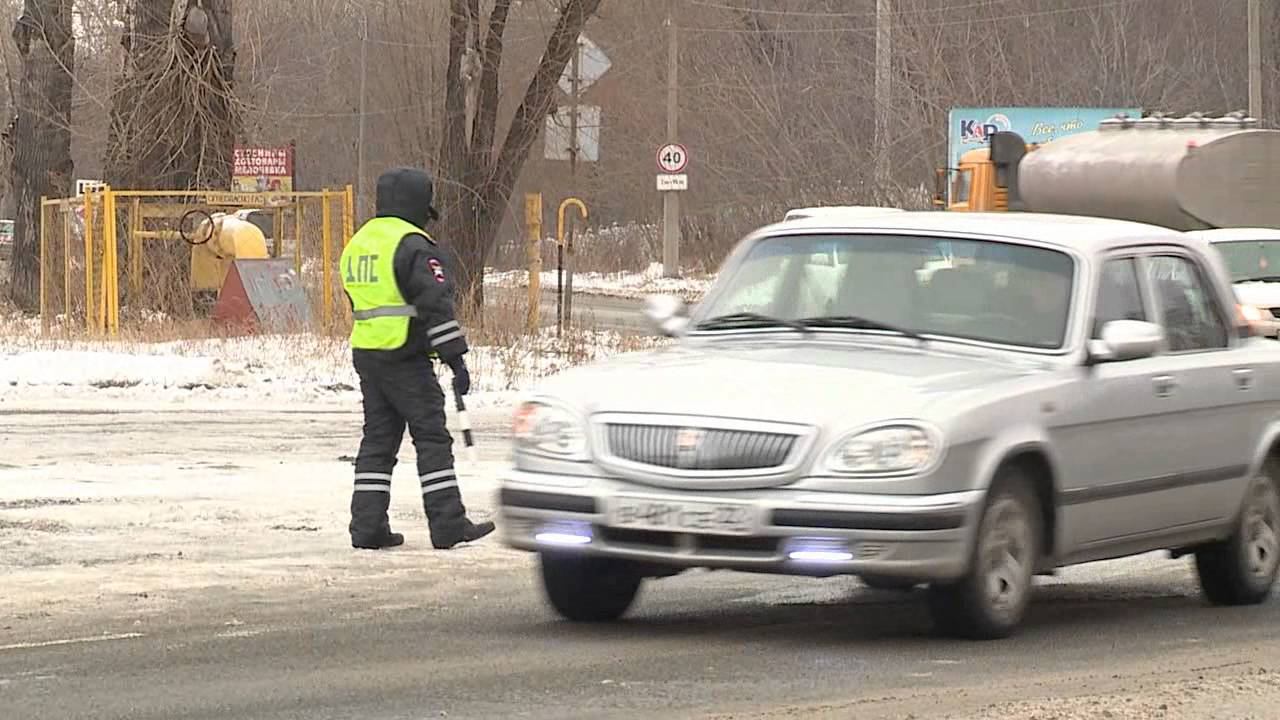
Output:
x,y
801,382
1262,294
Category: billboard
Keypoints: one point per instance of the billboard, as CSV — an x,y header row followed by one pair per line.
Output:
x,y
262,169
969,128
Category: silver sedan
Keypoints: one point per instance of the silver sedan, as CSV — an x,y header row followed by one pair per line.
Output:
x,y
962,401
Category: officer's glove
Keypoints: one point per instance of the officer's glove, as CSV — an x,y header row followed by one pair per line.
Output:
x,y
461,376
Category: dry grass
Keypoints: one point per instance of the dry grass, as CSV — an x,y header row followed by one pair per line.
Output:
x,y
506,355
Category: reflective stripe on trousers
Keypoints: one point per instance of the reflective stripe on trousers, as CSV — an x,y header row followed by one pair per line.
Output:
x,y
438,480
373,482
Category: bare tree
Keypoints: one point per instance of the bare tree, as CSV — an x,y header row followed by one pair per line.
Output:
x,y
174,114
478,177
41,133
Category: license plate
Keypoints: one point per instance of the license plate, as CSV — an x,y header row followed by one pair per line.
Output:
x,y
711,518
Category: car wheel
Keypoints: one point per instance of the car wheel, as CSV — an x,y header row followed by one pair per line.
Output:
x,y
589,589
879,582
991,600
1242,569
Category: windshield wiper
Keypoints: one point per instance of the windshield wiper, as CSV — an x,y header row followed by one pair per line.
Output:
x,y
859,323
749,320
1261,278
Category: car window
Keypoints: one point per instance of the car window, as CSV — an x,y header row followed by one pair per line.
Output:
x,y
1119,295
805,285
1251,260
966,288
1188,311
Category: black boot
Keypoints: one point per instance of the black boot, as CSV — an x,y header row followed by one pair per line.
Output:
x,y
390,539
370,528
470,533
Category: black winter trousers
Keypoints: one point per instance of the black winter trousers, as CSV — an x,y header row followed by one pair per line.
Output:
x,y
399,393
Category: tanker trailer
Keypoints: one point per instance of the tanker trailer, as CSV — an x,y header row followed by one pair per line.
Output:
x,y
1216,178
1190,173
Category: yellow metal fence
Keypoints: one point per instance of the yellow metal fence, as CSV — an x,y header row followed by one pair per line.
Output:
x,y
93,244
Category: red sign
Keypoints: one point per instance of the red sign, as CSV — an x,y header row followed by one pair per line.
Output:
x,y
263,169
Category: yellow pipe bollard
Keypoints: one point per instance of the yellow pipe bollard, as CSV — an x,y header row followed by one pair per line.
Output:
x,y
88,261
44,259
326,257
564,307
533,224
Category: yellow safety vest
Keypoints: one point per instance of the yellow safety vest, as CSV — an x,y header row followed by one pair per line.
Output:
x,y
379,311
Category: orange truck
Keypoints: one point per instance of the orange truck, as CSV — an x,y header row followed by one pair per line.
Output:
x,y
1187,173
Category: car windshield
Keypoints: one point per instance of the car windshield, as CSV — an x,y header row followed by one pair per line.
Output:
x,y
971,289
1251,260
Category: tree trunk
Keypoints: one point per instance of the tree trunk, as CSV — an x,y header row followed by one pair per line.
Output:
x,y
478,178
174,120
174,115
41,136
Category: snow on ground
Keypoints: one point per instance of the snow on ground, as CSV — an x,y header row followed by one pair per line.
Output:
x,y
140,512
623,285
139,474
300,368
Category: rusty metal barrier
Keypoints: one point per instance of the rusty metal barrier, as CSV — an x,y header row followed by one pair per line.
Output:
x,y
93,244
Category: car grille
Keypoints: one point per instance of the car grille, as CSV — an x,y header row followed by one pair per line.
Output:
x,y
693,448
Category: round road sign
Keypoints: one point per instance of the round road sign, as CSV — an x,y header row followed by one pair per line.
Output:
x,y
672,158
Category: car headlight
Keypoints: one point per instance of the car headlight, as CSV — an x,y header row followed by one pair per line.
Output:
x,y
885,450
546,429
1251,313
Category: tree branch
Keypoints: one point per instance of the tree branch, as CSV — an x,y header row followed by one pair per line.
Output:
x,y
537,99
453,143
486,119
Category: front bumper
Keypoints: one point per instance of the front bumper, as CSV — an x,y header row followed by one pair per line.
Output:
x,y
921,537
1267,327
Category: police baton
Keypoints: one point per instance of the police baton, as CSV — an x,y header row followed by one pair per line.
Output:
x,y
465,421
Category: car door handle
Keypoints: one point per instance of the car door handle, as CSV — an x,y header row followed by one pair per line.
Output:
x,y
1164,385
1244,378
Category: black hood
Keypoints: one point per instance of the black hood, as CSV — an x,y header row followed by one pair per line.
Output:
x,y
406,193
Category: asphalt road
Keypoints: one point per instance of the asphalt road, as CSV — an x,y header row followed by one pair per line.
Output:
x,y
484,647
598,312
317,631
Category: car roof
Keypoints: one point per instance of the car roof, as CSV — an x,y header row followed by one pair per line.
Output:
x,y
828,211
1084,233
1236,234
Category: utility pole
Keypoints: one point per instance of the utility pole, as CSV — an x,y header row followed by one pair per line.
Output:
x,y
883,92
1255,59
576,82
364,68
671,200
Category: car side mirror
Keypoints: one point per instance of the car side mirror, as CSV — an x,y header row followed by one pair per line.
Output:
x,y
667,313
1126,340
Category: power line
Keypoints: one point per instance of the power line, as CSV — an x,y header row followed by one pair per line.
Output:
x,y
833,15
1028,15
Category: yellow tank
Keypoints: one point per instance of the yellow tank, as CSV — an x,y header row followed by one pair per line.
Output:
x,y
230,239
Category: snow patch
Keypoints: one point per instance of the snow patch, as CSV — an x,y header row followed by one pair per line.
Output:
x,y
305,368
107,369
621,285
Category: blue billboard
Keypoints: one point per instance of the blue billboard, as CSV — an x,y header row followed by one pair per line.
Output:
x,y
969,128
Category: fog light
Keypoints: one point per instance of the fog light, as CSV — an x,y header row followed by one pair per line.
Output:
x,y
569,534
818,550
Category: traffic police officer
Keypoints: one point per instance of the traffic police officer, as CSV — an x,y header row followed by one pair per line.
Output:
x,y
401,295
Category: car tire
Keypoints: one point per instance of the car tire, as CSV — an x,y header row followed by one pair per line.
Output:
x,y
881,582
582,588
1242,569
989,602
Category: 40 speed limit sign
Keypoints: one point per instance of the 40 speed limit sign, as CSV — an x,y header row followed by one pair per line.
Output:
x,y
672,158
